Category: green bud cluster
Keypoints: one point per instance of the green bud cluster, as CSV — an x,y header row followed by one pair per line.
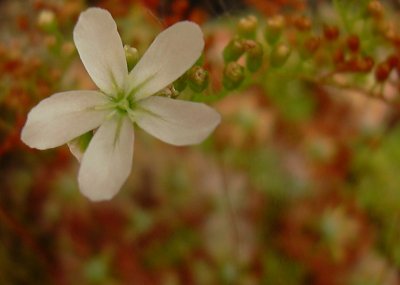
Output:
x,y
246,44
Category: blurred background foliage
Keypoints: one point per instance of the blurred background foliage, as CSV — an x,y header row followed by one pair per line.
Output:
x,y
299,184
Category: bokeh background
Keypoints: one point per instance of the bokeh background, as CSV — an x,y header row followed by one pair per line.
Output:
x,y
300,184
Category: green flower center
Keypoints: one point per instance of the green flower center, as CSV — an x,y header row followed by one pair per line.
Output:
x,y
124,104
121,105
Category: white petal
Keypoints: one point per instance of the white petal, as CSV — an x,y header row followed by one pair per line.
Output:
x,y
62,117
100,48
173,52
107,161
175,121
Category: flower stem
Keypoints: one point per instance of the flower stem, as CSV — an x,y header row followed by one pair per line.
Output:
x,y
231,211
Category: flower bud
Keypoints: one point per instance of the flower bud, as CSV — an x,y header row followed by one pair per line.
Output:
x,y
338,57
353,43
310,46
254,57
382,71
233,50
233,75
280,55
132,56
393,61
47,21
375,8
352,64
67,48
247,27
181,83
51,42
331,33
248,44
198,79
169,92
302,23
274,29
366,64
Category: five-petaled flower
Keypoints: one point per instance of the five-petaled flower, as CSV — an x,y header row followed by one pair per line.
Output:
x,y
124,98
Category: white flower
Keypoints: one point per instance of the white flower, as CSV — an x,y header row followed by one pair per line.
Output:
x,y
123,99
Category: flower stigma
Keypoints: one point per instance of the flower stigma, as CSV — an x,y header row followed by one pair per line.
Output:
x,y
120,104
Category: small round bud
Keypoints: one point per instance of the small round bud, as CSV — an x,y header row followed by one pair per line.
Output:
x,y
247,27
353,43
233,50
375,8
280,55
198,79
169,92
23,22
254,57
47,21
366,64
393,61
248,44
233,75
67,48
51,41
181,83
132,56
382,71
352,64
338,57
389,30
310,46
331,33
302,23
274,28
